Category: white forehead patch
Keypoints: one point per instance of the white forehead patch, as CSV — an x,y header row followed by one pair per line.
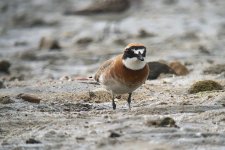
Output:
x,y
138,51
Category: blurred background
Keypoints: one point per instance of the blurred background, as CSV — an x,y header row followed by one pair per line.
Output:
x,y
50,39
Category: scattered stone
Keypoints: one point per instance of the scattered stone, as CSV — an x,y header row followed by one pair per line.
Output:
x,y
80,138
28,55
157,68
203,49
164,122
40,22
144,34
170,122
5,100
2,85
206,85
49,43
178,68
84,40
99,7
215,69
114,134
29,98
4,66
20,43
210,61
32,141
170,2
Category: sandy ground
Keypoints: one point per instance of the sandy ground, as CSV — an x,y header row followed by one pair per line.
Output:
x,y
77,114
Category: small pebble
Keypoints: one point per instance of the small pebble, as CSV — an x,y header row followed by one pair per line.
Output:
x,y
114,134
164,122
84,40
144,34
179,68
29,98
32,141
80,138
2,85
49,43
4,66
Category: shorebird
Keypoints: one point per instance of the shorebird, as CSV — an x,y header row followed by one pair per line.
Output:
x,y
125,72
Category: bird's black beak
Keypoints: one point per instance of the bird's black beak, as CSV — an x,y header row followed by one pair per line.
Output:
x,y
140,57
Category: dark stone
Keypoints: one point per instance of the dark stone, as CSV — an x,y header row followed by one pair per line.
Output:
x,y
29,98
164,122
203,49
114,135
170,2
2,85
32,141
144,34
167,121
20,43
4,66
157,68
84,40
99,7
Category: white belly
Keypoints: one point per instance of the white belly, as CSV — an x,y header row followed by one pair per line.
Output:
x,y
117,87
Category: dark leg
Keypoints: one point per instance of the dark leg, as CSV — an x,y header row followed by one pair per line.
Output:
x,y
129,99
113,102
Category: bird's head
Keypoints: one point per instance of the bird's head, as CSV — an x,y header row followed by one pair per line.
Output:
x,y
134,56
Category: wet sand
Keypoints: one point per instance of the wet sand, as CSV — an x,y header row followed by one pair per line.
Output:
x,y
76,113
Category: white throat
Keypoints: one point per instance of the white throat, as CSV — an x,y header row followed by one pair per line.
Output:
x,y
134,63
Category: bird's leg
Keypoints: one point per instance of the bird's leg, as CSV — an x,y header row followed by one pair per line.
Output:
x,y
129,100
113,102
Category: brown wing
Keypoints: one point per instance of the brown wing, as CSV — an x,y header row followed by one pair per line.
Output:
x,y
102,68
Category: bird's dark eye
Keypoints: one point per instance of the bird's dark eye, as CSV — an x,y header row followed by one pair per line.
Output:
x,y
128,53
131,52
